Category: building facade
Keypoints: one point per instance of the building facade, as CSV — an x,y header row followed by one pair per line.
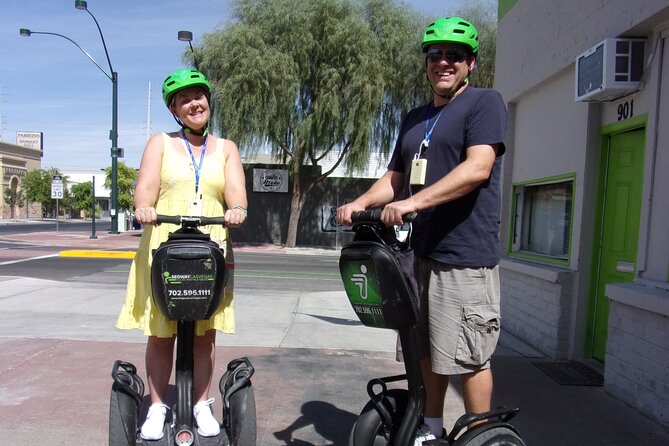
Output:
x,y
15,162
585,269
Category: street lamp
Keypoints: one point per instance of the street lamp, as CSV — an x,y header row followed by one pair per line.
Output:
x,y
113,134
187,36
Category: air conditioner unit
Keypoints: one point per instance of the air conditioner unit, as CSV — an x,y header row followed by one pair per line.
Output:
x,y
610,70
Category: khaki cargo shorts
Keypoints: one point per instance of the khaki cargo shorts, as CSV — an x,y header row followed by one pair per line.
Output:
x,y
459,320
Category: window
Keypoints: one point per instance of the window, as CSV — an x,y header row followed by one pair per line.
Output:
x,y
542,219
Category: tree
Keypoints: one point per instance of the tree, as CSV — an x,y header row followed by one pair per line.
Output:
x,y
82,196
37,185
483,16
125,180
14,197
311,78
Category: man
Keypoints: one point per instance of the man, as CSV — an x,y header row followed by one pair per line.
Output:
x,y
446,166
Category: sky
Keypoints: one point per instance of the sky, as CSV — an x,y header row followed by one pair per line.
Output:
x,y
48,85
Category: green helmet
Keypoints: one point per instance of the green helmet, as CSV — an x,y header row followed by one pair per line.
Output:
x,y
182,79
451,30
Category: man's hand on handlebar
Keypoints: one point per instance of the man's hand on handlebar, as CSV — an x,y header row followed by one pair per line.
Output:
x,y
391,215
392,212
344,213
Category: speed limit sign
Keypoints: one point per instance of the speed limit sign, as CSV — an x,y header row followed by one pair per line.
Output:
x,y
56,187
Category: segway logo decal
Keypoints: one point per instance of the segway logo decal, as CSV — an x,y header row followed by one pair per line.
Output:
x,y
361,281
361,287
175,279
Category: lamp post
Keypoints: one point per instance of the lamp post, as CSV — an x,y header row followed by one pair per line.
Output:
x,y
93,236
187,36
113,134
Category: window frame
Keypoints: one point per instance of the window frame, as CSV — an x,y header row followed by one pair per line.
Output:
x,y
515,226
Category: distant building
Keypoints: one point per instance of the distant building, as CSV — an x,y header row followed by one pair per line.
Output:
x,y
15,162
102,194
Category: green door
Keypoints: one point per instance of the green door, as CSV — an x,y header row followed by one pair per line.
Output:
x,y
616,255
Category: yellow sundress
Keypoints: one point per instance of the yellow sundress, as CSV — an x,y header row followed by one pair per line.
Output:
x,y
177,189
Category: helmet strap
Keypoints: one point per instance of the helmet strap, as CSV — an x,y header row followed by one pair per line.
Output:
x,y
202,132
451,94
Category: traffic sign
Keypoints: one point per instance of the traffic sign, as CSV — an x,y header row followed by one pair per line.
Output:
x,y
57,187
57,190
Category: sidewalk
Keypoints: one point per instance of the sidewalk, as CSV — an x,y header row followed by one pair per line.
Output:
x,y
312,360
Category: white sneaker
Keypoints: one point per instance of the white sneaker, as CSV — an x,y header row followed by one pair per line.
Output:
x,y
152,429
423,434
207,426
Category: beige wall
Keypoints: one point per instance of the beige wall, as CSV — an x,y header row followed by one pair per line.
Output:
x,y
15,162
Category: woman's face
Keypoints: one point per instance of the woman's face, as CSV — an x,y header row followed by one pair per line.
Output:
x,y
191,106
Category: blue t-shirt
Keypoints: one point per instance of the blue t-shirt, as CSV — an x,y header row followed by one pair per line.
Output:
x,y
463,232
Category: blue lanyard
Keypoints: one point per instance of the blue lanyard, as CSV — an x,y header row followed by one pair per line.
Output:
x,y
428,133
196,167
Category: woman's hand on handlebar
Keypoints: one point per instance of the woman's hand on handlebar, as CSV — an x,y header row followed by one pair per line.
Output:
x,y
234,217
146,215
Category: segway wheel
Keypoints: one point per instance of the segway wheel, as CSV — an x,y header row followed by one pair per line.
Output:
x,y
500,435
248,432
370,429
122,419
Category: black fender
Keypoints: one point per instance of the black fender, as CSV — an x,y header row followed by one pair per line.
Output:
x,y
125,403
239,410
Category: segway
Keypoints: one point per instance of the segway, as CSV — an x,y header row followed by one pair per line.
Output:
x,y
376,271
188,276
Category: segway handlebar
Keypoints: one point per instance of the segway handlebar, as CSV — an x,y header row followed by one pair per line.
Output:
x,y
374,216
191,221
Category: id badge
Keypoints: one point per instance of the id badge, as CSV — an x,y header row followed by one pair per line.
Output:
x,y
195,206
418,171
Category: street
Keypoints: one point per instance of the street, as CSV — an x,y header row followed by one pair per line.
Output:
x,y
253,271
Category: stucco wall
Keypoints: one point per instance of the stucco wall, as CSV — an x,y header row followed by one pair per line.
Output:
x,y
657,241
537,39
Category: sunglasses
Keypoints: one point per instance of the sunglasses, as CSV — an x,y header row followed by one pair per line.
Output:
x,y
435,55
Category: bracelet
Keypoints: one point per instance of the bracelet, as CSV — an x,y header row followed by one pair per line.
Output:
x,y
241,208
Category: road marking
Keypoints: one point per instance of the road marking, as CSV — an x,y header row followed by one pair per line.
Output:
x,y
98,254
11,262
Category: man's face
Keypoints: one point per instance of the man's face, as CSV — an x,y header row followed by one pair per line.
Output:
x,y
447,66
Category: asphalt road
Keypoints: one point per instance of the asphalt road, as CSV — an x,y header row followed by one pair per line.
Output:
x,y
253,271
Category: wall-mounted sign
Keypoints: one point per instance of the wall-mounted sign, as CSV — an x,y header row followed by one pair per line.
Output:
x,y
32,140
270,180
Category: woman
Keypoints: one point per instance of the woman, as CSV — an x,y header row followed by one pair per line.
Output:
x,y
188,172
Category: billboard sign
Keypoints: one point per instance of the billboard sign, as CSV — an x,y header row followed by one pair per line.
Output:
x,y
31,140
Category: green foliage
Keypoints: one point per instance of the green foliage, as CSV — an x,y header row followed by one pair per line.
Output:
x,y
37,185
14,198
310,77
125,180
82,196
484,17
